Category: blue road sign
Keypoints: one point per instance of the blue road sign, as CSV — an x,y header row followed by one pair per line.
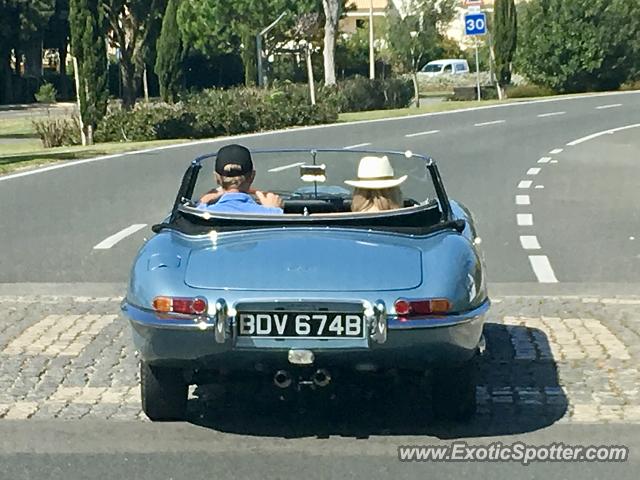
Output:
x,y
475,23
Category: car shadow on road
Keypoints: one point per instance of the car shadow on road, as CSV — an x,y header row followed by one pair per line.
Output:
x,y
518,391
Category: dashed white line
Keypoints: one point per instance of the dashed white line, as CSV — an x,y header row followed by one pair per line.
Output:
x,y
357,146
525,219
418,134
553,161
529,242
109,242
613,105
539,187
533,171
556,151
523,200
525,184
484,124
285,167
552,114
544,160
599,134
542,269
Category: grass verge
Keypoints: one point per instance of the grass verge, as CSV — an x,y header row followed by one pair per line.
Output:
x,y
35,158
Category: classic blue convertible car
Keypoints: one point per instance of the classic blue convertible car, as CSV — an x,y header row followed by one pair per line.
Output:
x,y
304,298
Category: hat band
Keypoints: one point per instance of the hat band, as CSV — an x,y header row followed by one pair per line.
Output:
x,y
378,178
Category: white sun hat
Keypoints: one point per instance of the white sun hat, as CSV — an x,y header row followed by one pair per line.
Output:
x,y
375,172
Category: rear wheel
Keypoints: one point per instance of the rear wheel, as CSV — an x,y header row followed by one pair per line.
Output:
x,y
454,392
164,393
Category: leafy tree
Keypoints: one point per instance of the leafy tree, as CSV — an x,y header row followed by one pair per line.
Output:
x,y
88,45
579,45
505,36
215,27
131,32
170,53
413,35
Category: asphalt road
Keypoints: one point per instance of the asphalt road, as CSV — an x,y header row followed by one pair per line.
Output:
x,y
111,450
579,211
52,220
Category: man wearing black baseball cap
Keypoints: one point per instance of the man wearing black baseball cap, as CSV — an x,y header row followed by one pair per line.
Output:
x,y
234,173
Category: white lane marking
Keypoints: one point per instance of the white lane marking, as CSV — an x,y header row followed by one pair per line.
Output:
x,y
556,151
285,167
484,124
539,187
554,161
542,269
533,171
552,114
109,242
523,200
418,134
600,134
525,184
529,242
613,105
356,146
311,127
525,219
544,160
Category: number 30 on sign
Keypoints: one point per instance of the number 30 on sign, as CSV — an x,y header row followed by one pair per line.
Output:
x,y
475,23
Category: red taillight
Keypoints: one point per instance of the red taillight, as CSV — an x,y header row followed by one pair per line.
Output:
x,y
405,309
187,306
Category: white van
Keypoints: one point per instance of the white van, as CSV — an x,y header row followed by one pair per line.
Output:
x,y
446,66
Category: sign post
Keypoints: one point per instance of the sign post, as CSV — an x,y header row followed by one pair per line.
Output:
x,y
475,24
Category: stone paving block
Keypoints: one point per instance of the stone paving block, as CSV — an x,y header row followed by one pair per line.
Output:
x,y
550,359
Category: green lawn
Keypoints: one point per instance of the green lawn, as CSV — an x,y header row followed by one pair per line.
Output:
x,y
425,108
19,127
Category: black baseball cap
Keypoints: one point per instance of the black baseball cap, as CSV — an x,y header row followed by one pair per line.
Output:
x,y
233,160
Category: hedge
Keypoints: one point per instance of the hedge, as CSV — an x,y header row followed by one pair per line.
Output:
x,y
215,112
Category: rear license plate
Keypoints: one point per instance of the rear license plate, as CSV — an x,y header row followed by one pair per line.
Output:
x,y
294,325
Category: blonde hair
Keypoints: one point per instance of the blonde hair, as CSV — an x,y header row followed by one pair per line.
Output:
x,y
376,200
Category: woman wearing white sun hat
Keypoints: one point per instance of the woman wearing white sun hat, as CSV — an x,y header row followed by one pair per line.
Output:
x,y
376,188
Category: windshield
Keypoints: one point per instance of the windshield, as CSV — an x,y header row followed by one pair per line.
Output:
x,y
321,175
432,67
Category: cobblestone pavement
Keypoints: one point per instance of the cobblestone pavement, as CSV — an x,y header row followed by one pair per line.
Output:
x,y
549,359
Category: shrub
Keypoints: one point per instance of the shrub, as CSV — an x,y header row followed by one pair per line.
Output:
x,y
216,112
145,122
470,93
46,93
56,132
524,91
361,94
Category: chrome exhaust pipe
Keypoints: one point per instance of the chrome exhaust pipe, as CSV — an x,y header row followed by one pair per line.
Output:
x,y
321,378
282,379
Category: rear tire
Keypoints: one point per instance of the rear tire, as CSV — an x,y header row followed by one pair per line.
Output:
x,y
454,392
164,393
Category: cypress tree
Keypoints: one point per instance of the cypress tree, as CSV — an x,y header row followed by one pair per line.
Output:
x,y
88,45
505,34
170,54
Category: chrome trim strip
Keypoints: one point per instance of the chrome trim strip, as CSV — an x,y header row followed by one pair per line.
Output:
x,y
438,322
148,318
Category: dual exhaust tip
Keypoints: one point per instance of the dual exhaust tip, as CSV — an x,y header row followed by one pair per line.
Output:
x,y
283,379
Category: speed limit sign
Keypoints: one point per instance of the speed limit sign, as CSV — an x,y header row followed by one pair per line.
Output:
x,y
475,24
